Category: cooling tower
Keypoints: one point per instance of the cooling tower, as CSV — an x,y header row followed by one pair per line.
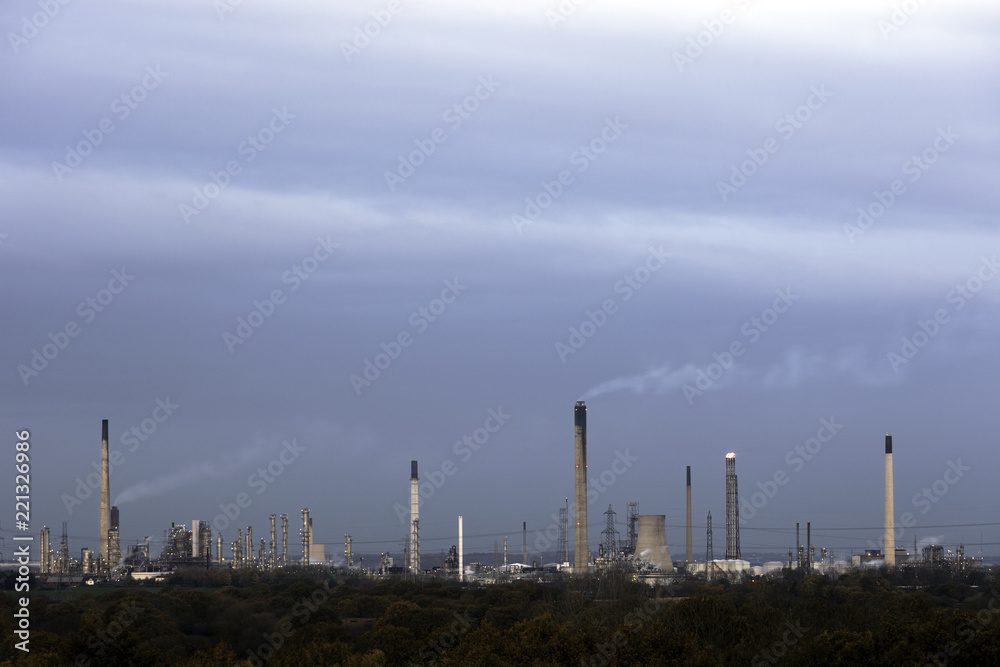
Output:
x,y
651,545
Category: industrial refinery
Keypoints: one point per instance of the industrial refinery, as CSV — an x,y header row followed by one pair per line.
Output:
x,y
642,550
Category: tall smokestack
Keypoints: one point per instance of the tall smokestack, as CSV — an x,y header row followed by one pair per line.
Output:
x,y
890,528
105,554
580,448
524,555
809,542
284,540
461,551
273,561
688,554
414,519
732,510
305,536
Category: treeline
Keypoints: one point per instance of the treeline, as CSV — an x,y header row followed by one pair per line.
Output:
x,y
300,618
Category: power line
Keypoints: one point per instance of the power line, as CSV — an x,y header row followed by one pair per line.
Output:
x,y
922,527
914,527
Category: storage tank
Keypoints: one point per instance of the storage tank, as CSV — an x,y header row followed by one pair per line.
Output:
x,y
773,566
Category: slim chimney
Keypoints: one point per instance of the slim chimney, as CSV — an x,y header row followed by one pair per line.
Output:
x,y
284,540
732,510
272,561
688,555
890,528
524,555
105,527
461,551
809,558
305,536
580,449
798,546
414,519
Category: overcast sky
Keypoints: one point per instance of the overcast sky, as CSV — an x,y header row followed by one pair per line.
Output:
x,y
727,226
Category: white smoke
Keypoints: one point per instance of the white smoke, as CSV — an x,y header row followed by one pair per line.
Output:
x,y
656,380
797,366
927,541
193,474
165,483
